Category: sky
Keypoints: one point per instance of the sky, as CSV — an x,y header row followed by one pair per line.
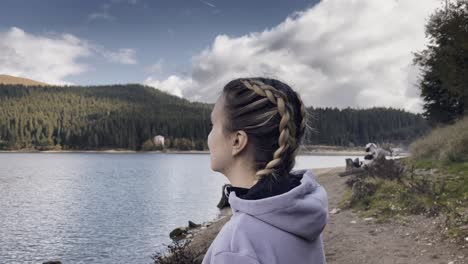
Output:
x,y
335,53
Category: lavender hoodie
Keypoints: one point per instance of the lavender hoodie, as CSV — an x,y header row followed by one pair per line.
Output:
x,y
281,229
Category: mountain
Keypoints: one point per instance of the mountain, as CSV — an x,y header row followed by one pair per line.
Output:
x,y
129,116
98,117
8,79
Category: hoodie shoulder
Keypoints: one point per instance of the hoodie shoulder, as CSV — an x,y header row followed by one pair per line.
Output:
x,y
302,211
284,228
234,258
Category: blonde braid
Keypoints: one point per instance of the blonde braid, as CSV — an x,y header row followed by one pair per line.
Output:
x,y
303,114
303,121
287,130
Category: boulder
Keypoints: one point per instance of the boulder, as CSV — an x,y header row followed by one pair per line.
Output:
x,y
178,232
192,224
224,202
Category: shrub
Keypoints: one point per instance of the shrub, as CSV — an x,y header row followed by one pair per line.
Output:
x,y
386,169
178,252
149,145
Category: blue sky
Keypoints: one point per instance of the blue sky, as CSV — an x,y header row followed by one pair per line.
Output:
x,y
334,53
171,31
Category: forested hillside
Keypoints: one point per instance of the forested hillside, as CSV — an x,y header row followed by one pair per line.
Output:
x,y
127,116
348,127
117,116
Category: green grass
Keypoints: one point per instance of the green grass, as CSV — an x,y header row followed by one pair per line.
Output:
x,y
383,203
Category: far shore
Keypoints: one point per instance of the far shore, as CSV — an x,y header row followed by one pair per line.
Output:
x,y
319,151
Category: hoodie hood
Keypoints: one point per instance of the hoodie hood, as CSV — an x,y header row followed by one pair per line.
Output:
x,y
302,211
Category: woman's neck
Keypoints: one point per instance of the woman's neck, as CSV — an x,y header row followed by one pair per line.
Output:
x,y
240,176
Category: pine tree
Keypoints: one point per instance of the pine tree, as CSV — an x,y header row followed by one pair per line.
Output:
x,y
444,64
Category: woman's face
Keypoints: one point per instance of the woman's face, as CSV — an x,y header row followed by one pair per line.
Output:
x,y
218,143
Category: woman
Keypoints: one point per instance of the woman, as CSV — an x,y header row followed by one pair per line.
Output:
x,y
278,214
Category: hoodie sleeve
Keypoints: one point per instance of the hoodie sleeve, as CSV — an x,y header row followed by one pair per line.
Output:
x,y
233,258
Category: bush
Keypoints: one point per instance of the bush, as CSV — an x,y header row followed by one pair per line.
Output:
x,y
178,253
183,144
362,190
149,145
386,169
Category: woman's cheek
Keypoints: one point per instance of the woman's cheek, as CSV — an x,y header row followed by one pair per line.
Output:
x,y
208,141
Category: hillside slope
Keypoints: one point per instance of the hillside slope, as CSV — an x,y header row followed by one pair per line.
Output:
x,y
8,79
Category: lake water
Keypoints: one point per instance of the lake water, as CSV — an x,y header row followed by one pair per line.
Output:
x,y
106,208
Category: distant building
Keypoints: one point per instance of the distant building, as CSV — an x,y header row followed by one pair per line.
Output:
x,y
158,140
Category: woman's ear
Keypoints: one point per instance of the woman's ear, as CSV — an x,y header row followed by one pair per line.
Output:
x,y
239,142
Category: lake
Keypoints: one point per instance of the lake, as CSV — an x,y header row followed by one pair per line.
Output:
x,y
106,207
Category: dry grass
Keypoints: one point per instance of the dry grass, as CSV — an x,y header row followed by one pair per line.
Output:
x,y
8,79
444,144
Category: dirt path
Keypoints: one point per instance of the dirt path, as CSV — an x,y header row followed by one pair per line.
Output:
x,y
350,239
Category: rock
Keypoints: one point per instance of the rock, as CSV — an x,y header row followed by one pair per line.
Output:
x,y
178,232
189,236
224,201
368,219
335,211
353,222
192,224
203,227
52,262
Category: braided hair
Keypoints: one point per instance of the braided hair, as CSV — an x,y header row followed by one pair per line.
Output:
x,y
273,116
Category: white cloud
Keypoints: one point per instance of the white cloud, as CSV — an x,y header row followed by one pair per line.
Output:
x,y
53,57
208,4
132,2
156,68
104,11
338,53
44,59
104,15
173,85
123,56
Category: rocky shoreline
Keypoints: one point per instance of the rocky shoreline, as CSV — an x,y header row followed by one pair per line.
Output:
x,y
200,236
305,150
321,152
106,151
